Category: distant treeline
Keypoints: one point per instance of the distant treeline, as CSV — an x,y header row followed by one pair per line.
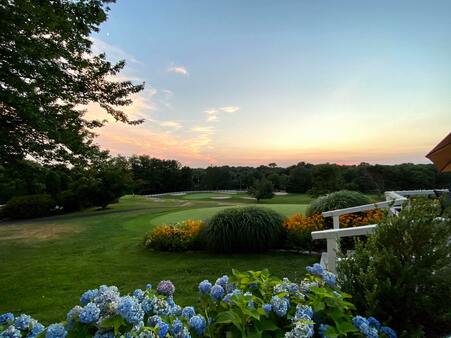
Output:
x,y
146,175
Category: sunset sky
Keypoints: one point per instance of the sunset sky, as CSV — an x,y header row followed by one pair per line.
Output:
x,y
253,82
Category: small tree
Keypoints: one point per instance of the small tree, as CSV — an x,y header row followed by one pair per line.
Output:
x,y
402,275
262,189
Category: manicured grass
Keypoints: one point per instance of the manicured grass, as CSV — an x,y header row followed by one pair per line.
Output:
x,y
46,264
205,213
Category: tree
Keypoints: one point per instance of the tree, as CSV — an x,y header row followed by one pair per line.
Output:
x,y
47,73
112,179
300,179
262,189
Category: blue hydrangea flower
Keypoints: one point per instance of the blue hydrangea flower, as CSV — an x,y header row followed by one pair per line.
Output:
x,y
130,309
139,294
147,304
389,332
222,281
188,312
148,286
165,287
106,299
163,328
161,307
316,269
368,331
204,287
73,315
305,286
56,331
216,292
11,332
329,278
301,330
228,296
88,296
267,308
175,310
176,327
357,321
197,323
303,312
36,329
6,318
293,287
104,334
374,322
89,314
322,329
23,322
153,320
279,306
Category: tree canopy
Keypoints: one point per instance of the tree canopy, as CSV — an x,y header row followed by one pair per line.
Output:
x,y
48,73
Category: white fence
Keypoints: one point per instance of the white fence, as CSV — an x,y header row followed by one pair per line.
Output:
x,y
394,202
176,193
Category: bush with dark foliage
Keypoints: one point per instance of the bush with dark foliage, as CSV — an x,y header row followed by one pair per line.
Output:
x,y
402,274
29,206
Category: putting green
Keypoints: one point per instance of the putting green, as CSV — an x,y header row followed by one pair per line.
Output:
x,y
205,213
204,195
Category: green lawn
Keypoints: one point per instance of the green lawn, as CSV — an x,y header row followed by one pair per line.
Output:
x,y
46,264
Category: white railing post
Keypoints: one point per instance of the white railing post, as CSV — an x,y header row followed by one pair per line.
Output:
x,y
332,247
336,219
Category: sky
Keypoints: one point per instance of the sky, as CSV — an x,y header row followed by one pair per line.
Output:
x,y
252,82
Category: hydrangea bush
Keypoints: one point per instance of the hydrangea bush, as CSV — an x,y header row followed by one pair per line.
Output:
x,y
249,304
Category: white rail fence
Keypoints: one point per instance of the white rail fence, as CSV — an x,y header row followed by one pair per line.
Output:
x,y
394,202
177,193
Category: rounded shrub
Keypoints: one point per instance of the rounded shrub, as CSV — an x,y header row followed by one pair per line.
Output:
x,y
247,229
29,206
337,200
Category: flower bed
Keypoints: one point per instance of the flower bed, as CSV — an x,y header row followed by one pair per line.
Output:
x,y
175,237
296,232
250,304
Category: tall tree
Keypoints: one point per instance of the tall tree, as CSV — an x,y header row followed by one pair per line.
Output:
x,y
48,71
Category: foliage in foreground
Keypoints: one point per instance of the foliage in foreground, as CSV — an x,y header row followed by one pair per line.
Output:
x,y
250,304
247,229
402,274
337,200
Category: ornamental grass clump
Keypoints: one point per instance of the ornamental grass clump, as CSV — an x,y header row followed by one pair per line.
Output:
x,y
247,229
402,274
246,304
337,200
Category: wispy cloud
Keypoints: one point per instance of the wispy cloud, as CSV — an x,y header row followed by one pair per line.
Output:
x,y
229,109
175,125
112,52
178,70
213,114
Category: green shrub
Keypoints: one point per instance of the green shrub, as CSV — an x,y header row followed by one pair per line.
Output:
x,y
402,274
337,200
247,229
29,206
70,201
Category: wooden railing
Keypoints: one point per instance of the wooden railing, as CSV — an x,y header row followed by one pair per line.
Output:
x,y
394,202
